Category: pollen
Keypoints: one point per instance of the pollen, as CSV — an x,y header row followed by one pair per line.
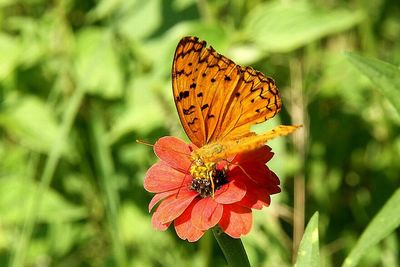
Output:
x,y
207,178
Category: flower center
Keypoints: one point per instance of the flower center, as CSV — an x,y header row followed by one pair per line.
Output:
x,y
207,178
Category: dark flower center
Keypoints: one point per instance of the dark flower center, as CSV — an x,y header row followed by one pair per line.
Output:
x,y
205,187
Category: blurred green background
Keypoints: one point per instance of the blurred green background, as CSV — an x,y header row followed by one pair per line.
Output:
x,y
80,81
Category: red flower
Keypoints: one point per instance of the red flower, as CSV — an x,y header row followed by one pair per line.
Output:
x,y
193,206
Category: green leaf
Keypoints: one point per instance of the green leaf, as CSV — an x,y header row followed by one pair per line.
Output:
x,y
385,222
18,192
136,23
4,3
180,5
308,254
9,54
30,121
97,64
386,77
282,26
105,8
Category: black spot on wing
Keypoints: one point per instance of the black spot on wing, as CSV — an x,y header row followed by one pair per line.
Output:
x,y
204,107
189,111
192,122
182,95
181,72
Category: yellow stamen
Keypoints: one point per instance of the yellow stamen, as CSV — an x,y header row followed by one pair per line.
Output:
x,y
203,170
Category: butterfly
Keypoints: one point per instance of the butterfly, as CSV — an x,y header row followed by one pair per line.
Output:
x,y
218,101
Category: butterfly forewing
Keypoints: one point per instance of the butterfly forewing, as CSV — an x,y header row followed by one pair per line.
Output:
x,y
202,84
216,99
184,73
216,83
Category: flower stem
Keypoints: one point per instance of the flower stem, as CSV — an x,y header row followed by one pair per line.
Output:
x,y
232,248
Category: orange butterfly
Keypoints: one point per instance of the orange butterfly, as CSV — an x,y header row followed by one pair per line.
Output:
x,y
217,102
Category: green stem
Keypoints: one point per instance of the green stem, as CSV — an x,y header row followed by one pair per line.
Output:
x,y
232,248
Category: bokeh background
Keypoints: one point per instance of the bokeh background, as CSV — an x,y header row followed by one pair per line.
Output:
x,y
80,81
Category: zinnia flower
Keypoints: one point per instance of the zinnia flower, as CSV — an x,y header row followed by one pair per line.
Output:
x,y
195,205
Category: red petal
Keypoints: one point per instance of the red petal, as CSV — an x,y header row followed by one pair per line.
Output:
x,y
206,213
157,225
236,220
257,196
252,166
159,197
161,177
257,172
173,206
273,186
174,152
255,200
184,227
230,193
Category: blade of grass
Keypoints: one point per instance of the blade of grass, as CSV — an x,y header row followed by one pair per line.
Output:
x,y
105,168
385,76
18,258
385,222
308,253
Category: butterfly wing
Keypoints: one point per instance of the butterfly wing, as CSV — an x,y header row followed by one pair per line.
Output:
x,y
216,99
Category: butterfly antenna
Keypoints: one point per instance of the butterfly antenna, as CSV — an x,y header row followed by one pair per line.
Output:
x,y
144,143
212,187
162,148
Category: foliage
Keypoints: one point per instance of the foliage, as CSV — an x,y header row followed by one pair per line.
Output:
x,y
80,81
308,252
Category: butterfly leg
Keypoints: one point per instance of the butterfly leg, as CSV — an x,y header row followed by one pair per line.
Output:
x,y
211,177
241,168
